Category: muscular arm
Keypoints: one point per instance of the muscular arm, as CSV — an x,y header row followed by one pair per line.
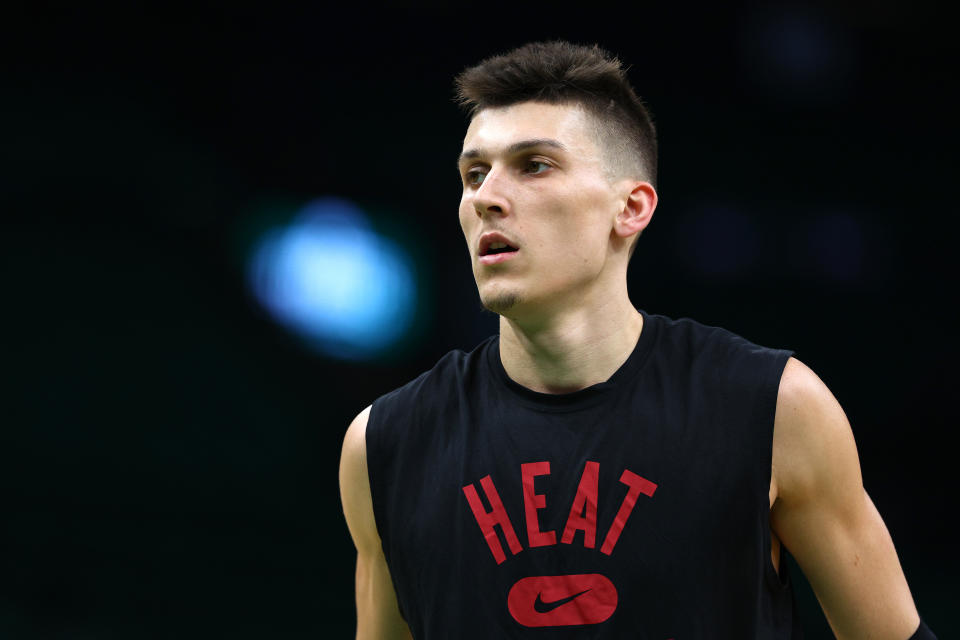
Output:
x,y
378,616
823,515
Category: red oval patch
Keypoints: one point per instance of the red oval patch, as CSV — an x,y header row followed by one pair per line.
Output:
x,y
554,601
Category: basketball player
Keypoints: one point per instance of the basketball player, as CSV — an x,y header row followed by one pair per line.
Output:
x,y
597,471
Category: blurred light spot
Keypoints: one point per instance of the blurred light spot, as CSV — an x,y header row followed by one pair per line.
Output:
x,y
329,277
837,246
722,241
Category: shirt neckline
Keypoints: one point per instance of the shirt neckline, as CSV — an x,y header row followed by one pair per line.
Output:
x,y
582,398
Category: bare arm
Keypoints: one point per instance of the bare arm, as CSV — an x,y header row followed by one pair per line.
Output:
x,y
826,519
378,616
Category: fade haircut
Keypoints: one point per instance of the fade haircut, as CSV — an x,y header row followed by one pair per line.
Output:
x,y
563,73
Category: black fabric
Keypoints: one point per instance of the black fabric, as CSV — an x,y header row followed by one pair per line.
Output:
x,y
691,411
923,633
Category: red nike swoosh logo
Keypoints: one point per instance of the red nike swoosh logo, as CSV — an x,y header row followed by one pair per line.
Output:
x,y
554,601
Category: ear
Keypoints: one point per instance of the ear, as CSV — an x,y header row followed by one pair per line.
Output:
x,y
637,210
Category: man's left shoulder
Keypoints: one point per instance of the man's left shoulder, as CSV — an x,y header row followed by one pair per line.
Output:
x,y
722,347
804,399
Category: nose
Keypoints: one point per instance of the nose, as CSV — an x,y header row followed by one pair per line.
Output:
x,y
490,198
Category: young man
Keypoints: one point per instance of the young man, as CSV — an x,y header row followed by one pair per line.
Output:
x,y
596,471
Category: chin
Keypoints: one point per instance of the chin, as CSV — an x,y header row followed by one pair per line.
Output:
x,y
500,302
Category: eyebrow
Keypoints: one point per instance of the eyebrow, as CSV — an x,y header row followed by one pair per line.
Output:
x,y
516,147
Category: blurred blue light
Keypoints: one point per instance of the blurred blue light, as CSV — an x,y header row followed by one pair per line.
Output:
x,y
330,278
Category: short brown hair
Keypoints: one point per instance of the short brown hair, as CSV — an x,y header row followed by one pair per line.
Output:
x,y
563,73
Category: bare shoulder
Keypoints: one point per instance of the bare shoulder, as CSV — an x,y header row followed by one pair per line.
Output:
x,y
355,485
803,393
355,441
813,444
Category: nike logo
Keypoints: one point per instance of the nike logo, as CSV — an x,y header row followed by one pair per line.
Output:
x,y
595,595
543,607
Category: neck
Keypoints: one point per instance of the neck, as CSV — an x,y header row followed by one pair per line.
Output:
x,y
573,349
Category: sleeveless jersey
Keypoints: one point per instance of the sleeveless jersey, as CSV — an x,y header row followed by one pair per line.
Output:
x,y
634,508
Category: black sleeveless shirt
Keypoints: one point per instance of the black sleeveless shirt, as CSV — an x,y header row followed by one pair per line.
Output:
x,y
634,508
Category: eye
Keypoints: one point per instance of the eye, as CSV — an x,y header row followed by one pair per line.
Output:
x,y
535,167
474,177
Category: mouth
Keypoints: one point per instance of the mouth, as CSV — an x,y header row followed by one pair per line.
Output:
x,y
495,248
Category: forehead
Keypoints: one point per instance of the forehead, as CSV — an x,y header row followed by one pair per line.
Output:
x,y
496,128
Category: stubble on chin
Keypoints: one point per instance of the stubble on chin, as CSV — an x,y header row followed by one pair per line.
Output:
x,y
501,302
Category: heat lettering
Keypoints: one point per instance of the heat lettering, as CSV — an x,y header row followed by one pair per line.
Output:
x,y
534,501
487,520
637,486
583,513
582,516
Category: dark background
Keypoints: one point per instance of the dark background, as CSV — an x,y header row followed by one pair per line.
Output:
x,y
169,454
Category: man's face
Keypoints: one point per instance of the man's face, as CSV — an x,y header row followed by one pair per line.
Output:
x,y
533,180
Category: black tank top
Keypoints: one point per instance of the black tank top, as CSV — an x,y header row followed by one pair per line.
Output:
x,y
635,508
